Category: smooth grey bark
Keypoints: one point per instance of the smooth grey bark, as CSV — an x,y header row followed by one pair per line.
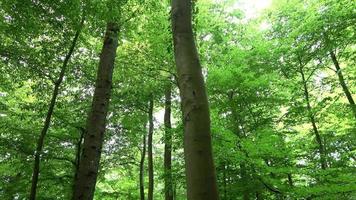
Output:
x,y
317,135
343,83
168,182
41,139
149,151
96,122
142,165
199,164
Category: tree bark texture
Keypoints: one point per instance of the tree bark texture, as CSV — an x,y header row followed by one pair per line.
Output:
x,y
96,122
41,139
199,164
150,151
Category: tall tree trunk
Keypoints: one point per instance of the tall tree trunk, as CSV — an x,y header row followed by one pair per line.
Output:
x,y
342,82
168,182
96,122
40,141
200,170
312,120
142,166
150,153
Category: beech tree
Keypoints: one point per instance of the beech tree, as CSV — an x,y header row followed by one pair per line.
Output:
x,y
200,170
96,122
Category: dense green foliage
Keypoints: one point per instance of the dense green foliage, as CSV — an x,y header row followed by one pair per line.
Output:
x,y
273,85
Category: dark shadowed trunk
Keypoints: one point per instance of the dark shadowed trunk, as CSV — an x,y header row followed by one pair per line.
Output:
x,y
142,168
168,182
79,151
96,122
77,157
312,120
40,141
343,83
200,170
149,151
259,195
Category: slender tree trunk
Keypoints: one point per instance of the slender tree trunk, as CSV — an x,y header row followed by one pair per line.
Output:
x,y
200,170
258,195
168,190
96,122
78,152
246,193
77,157
343,83
142,166
150,152
224,180
290,180
313,121
174,191
40,141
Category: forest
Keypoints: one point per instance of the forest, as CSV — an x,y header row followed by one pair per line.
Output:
x,y
177,99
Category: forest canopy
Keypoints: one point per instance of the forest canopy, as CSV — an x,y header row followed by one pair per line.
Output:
x,y
177,99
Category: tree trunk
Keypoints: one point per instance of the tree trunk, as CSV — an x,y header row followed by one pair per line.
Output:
x,y
142,165
79,151
77,157
200,170
168,190
96,122
342,83
224,180
290,180
259,195
244,178
174,191
149,149
40,141
313,121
